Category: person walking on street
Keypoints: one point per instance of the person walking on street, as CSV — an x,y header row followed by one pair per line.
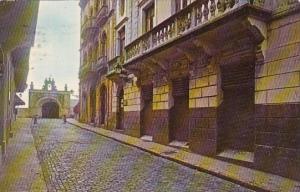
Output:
x,y
65,119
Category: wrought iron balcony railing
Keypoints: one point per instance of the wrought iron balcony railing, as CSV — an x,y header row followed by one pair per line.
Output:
x,y
115,64
195,15
88,28
102,15
83,70
100,64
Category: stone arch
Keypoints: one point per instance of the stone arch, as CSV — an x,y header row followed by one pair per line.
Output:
x,y
103,104
83,110
92,107
45,102
120,107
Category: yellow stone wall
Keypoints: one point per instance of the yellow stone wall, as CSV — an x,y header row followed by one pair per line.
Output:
x,y
132,97
161,97
88,105
114,98
98,99
203,90
278,79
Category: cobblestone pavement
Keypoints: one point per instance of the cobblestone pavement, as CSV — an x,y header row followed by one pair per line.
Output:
x,y
73,159
20,170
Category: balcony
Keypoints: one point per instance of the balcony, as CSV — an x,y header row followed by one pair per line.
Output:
x,y
100,64
102,16
200,17
83,70
88,29
87,71
115,69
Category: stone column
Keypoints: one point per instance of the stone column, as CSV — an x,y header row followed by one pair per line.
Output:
x,y
162,103
277,100
203,103
132,108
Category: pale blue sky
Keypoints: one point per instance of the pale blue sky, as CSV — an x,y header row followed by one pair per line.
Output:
x,y
57,43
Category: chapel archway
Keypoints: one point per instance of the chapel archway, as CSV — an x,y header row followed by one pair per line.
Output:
x,y
50,110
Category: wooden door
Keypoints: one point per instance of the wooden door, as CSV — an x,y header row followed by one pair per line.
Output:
x,y
180,111
147,112
120,112
238,107
103,95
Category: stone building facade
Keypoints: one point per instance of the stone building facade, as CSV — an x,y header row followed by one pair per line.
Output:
x,y
48,102
96,40
220,77
17,29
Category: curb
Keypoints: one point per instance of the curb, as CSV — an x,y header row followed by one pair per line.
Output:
x,y
216,174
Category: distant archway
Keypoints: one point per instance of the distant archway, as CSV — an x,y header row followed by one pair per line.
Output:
x,y
50,110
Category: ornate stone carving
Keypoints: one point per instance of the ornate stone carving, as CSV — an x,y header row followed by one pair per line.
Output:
x,y
259,2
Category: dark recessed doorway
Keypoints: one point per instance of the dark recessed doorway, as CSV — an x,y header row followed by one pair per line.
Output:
x,y
50,110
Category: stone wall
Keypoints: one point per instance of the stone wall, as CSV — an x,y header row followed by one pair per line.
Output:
x,y
23,113
161,104
161,97
277,98
132,97
132,108
203,102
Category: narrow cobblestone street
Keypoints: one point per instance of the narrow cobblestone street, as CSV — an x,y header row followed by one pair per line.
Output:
x,y
73,159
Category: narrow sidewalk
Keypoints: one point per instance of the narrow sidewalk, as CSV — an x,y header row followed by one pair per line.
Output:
x,y
20,170
250,178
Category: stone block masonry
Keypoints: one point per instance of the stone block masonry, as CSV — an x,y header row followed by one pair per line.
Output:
x,y
132,108
132,98
161,113
161,97
277,99
203,102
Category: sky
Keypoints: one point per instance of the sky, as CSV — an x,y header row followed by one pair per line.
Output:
x,y
55,53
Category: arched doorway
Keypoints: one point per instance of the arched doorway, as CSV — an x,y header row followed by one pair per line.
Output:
x,y
50,110
93,105
237,110
180,110
147,112
120,111
102,104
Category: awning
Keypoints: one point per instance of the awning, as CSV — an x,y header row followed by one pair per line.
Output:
x,y
18,101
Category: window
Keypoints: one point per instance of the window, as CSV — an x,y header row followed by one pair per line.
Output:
x,y
122,40
149,17
184,3
91,12
85,58
177,5
97,5
103,44
121,7
180,4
